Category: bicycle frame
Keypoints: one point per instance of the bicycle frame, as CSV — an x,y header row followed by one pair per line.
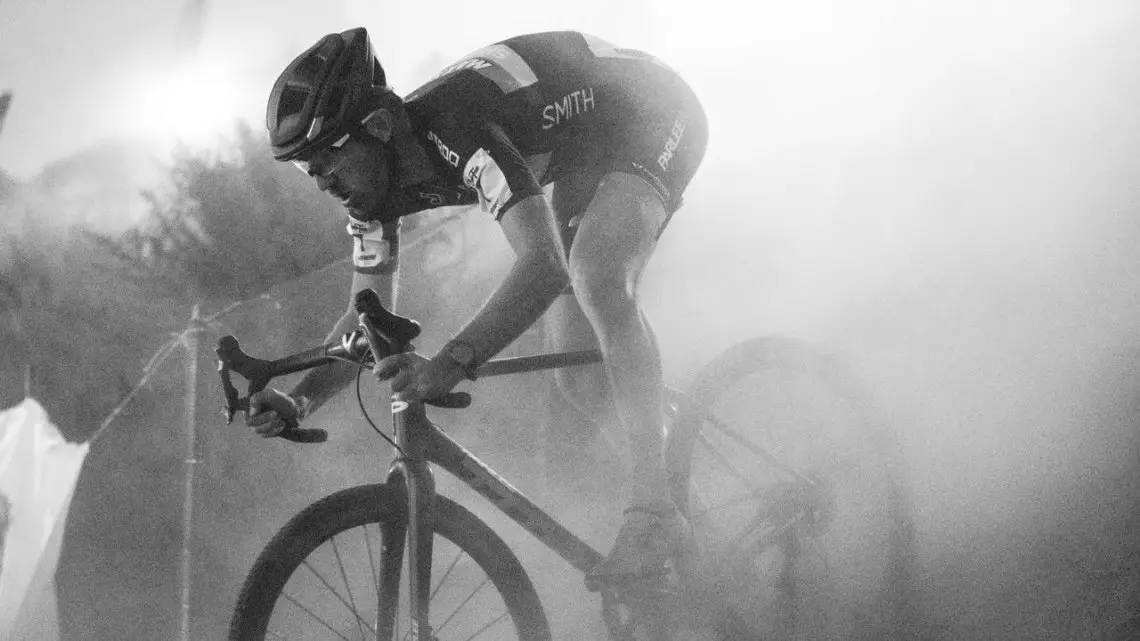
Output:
x,y
419,444
791,497
422,444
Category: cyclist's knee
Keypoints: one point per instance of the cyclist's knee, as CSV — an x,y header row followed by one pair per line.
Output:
x,y
605,281
566,328
586,389
608,302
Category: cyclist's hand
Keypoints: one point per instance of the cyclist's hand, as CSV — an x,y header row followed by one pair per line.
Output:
x,y
270,412
415,378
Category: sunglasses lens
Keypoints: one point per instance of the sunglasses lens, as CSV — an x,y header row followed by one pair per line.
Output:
x,y
306,166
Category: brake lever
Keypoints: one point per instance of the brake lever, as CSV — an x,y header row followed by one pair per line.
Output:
x,y
233,403
388,333
232,358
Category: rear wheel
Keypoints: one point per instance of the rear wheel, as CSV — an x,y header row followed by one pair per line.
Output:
x,y
793,484
319,576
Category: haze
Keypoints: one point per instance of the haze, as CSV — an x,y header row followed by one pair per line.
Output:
x,y
945,193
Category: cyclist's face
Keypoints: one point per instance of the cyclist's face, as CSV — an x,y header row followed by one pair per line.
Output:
x,y
355,170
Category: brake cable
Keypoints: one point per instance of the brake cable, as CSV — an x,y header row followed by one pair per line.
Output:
x,y
364,411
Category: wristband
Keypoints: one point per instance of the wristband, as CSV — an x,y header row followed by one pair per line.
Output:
x,y
461,354
301,406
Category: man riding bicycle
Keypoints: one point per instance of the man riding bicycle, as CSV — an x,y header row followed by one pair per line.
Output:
x,y
617,134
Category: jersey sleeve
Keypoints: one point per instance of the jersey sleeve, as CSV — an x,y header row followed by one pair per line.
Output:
x,y
375,245
498,172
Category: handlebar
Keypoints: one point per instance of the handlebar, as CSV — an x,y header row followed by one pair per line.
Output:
x,y
380,334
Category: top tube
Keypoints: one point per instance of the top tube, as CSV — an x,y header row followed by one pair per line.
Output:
x,y
521,364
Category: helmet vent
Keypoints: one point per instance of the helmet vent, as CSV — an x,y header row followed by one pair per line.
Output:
x,y
292,102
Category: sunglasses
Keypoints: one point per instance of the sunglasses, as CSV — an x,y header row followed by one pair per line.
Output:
x,y
306,166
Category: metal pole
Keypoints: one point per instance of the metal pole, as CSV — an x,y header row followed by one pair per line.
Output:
x,y
190,344
5,102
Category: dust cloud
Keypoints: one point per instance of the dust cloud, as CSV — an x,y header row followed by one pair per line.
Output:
x,y
949,201
945,195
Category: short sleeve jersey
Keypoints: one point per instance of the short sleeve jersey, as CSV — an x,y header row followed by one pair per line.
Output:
x,y
529,95
560,93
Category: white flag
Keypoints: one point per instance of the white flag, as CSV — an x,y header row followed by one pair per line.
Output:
x,y
38,471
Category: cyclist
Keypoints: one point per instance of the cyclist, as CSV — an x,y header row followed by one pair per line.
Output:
x,y
616,133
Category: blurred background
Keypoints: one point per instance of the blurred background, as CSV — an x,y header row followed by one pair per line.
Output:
x,y
945,194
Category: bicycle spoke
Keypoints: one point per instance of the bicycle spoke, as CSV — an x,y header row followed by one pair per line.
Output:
x,y
447,573
781,458
347,587
486,627
334,592
460,607
721,458
753,491
765,535
314,615
768,457
492,598
326,583
371,561
728,503
451,617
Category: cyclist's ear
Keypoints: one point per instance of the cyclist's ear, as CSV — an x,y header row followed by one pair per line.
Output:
x,y
380,124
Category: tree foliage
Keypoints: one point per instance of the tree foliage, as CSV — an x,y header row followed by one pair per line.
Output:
x,y
231,225
85,310
71,323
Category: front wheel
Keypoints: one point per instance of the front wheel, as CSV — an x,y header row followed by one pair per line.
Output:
x,y
793,483
319,577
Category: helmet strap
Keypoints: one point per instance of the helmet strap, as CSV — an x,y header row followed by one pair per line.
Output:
x,y
380,124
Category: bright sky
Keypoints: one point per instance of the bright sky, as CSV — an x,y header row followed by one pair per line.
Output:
x,y
806,95
84,70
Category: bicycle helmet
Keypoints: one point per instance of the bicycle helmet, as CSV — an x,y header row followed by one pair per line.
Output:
x,y
323,94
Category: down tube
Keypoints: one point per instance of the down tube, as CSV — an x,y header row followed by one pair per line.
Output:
x,y
454,458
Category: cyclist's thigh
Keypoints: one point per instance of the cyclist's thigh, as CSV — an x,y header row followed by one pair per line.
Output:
x,y
651,151
660,135
565,326
655,128
616,235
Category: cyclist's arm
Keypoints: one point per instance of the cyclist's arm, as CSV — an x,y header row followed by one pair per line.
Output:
x,y
320,384
534,281
510,192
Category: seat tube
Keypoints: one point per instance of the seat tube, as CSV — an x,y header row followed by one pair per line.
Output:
x,y
407,417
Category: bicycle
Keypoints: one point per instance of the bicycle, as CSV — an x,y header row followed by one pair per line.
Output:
x,y
749,575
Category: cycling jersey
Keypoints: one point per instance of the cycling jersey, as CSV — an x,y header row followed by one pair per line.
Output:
x,y
582,105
